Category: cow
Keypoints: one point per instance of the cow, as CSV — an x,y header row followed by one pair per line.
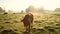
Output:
x,y
27,21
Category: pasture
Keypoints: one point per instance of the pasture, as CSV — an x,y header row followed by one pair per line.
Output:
x,y
44,23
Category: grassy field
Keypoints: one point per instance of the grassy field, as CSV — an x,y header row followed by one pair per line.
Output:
x,y
44,23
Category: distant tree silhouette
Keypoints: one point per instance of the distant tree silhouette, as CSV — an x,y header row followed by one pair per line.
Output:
x,y
57,9
40,9
22,11
30,9
1,10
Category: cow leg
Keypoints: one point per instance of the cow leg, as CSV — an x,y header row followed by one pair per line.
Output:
x,y
31,25
26,29
29,28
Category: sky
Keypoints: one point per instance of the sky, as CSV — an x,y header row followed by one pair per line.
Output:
x,y
18,5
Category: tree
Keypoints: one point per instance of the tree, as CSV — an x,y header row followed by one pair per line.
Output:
x,y
57,9
41,9
22,11
10,11
1,10
30,9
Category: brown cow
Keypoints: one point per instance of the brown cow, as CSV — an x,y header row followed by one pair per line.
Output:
x,y
27,21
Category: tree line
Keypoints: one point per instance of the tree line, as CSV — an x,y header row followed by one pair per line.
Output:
x,y
30,9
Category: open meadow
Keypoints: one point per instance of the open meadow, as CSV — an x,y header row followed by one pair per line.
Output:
x,y
44,23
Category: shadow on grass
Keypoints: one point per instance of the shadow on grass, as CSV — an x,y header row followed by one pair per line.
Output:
x,y
8,32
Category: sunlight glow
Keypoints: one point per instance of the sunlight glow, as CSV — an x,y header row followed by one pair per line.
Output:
x,y
18,5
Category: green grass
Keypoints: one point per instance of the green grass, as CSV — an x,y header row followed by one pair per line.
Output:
x,y
13,22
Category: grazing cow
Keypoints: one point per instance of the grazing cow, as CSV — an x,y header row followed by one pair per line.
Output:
x,y
27,21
